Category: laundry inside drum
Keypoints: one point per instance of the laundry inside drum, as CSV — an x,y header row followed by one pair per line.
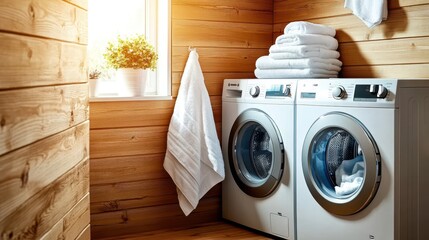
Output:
x,y
338,163
345,164
261,155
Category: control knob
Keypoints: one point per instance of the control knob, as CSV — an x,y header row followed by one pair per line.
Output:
x,y
286,92
380,90
254,91
338,92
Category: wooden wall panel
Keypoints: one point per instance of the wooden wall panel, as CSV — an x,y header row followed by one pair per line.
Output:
x,y
70,227
297,10
238,5
136,140
44,127
398,48
153,218
220,13
215,34
36,113
130,191
30,62
128,141
41,212
398,51
402,3
85,235
28,170
55,19
351,29
300,10
79,3
218,60
130,114
127,195
127,169
387,71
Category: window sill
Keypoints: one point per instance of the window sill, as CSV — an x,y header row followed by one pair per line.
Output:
x,y
128,99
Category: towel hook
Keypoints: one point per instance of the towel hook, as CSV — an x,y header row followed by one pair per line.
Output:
x,y
190,48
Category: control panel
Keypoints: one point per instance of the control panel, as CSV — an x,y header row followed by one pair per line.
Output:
x,y
347,90
267,90
370,91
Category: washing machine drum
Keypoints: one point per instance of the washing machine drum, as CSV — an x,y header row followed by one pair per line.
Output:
x,y
256,157
341,147
341,164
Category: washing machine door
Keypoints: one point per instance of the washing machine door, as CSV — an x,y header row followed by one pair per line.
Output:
x,y
256,153
341,164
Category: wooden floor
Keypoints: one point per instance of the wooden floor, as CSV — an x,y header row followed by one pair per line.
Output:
x,y
215,230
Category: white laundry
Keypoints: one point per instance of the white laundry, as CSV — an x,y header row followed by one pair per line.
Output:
x,y
349,175
307,39
295,73
348,187
309,28
266,62
193,158
370,12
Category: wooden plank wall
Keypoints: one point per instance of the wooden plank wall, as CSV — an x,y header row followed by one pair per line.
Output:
x,y
398,48
130,191
44,127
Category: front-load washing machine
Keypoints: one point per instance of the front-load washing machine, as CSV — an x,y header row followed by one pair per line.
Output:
x,y
362,159
258,148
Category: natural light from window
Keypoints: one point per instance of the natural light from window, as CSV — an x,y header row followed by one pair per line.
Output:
x,y
108,19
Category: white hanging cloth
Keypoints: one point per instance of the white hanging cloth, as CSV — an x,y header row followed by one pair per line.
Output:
x,y
371,12
193,158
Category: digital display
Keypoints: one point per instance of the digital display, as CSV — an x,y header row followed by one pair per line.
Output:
x,y
276,90
308,95
363,93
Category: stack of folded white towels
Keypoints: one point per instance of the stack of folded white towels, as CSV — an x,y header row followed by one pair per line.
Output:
x,y
305,50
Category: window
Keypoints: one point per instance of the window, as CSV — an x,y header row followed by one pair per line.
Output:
x,y
108,19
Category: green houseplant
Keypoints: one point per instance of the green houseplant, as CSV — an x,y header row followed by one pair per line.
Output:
x,y
132,57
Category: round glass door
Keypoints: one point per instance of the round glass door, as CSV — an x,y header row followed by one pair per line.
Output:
x,y
256,155
341,164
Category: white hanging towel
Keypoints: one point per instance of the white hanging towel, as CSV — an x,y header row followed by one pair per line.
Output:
x,y
309,28
193,158
371,12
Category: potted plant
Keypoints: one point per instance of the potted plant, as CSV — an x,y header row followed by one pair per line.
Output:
x,y
132,57
94,74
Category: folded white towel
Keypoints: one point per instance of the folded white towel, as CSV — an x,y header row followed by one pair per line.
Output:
x,y
282,51
299,49
193,158
308,28
370,12
295,73
307,39
266,62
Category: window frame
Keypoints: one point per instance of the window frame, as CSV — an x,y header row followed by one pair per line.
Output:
x,y
159,35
